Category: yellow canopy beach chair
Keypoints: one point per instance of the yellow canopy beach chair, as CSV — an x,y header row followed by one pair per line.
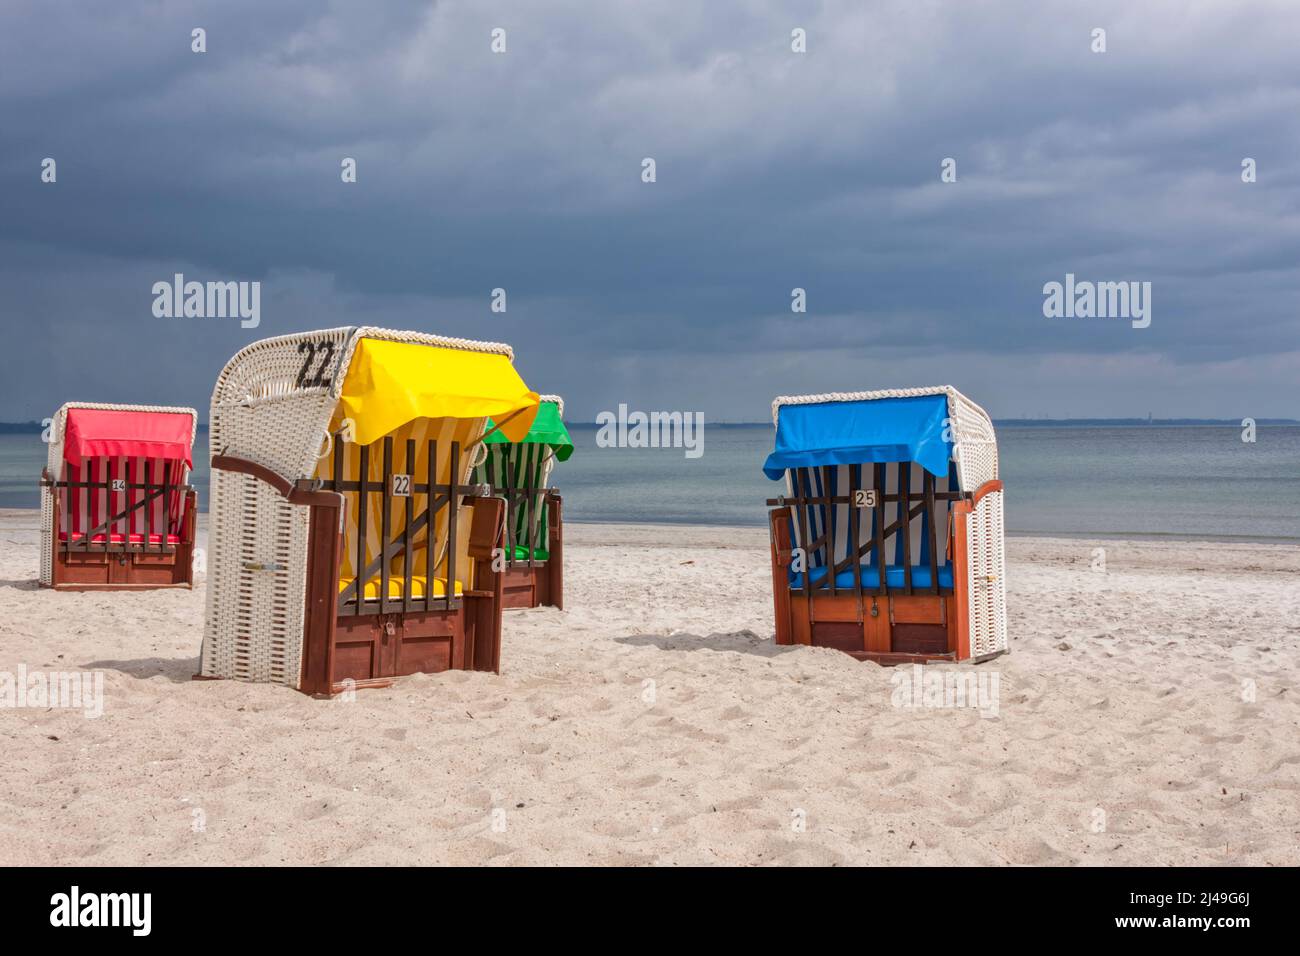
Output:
x,y
347,546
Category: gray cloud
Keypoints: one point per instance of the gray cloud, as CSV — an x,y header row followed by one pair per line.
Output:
x,y
775,170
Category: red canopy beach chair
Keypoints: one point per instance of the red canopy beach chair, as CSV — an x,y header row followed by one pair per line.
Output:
x,y
117,510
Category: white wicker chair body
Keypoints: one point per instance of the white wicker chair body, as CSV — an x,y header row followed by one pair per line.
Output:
x,y
272,405
975,449
54,467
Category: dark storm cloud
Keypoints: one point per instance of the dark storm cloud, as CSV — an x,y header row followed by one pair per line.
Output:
x,y
775,170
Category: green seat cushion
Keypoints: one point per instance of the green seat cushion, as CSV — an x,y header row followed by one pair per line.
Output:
x,y
539,554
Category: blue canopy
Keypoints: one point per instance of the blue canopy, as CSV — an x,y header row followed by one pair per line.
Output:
x,y
852,433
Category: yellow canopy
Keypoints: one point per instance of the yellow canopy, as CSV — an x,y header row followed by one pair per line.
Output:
x,y
391,383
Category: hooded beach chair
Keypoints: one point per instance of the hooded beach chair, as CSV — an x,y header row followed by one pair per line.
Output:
x,y
888,543
117,510
346,546
518,473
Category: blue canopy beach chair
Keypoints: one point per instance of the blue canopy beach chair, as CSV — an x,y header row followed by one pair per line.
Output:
x,y
888,543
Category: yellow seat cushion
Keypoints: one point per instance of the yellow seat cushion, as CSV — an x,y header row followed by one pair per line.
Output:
x,y
396,583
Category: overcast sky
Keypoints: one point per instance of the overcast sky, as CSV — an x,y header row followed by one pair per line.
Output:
x,y
775,170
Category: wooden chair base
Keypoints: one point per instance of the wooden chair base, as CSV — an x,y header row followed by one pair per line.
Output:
x,y
116,567
535,586
99,571
376,650
882,628
873,624
184,585
371,650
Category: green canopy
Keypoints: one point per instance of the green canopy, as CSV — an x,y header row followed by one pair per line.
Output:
x,y
548,429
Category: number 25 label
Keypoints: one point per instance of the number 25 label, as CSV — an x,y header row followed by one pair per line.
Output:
x,y
864,498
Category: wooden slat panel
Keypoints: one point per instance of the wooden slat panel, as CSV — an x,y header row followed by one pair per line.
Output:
x,y
530,514
166,506
842,636
508,454
363,487
830,530
408,558
933,547
882,560
453,518
430,555
918,609
877,628
840,607
905,503
109,506
148,509
779,536
385,521
801,512
855,534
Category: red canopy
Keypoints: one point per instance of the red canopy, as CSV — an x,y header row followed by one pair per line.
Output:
x,y
98,432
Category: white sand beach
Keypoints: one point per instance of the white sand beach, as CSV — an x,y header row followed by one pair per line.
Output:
x,y
1126,729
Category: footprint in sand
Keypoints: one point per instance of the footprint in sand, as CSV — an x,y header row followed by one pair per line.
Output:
x,y
1033,851
614,828
641,783
316,809
774,784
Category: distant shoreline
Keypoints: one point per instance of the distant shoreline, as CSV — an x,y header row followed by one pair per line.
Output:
x,y
1148,537
29,520
1058,423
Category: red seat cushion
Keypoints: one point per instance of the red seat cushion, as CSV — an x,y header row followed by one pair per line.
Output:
x,y
117,538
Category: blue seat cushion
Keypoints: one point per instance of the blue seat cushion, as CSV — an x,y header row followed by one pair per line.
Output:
x,y
871,577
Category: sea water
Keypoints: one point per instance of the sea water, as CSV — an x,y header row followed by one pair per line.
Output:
x,y
1183,481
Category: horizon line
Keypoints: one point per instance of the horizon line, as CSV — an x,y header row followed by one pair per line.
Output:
x,y
33,426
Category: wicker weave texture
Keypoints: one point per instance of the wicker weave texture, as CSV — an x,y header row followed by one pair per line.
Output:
x,y
987,591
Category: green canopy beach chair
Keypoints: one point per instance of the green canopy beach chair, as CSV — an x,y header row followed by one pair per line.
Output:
x,y
519,472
